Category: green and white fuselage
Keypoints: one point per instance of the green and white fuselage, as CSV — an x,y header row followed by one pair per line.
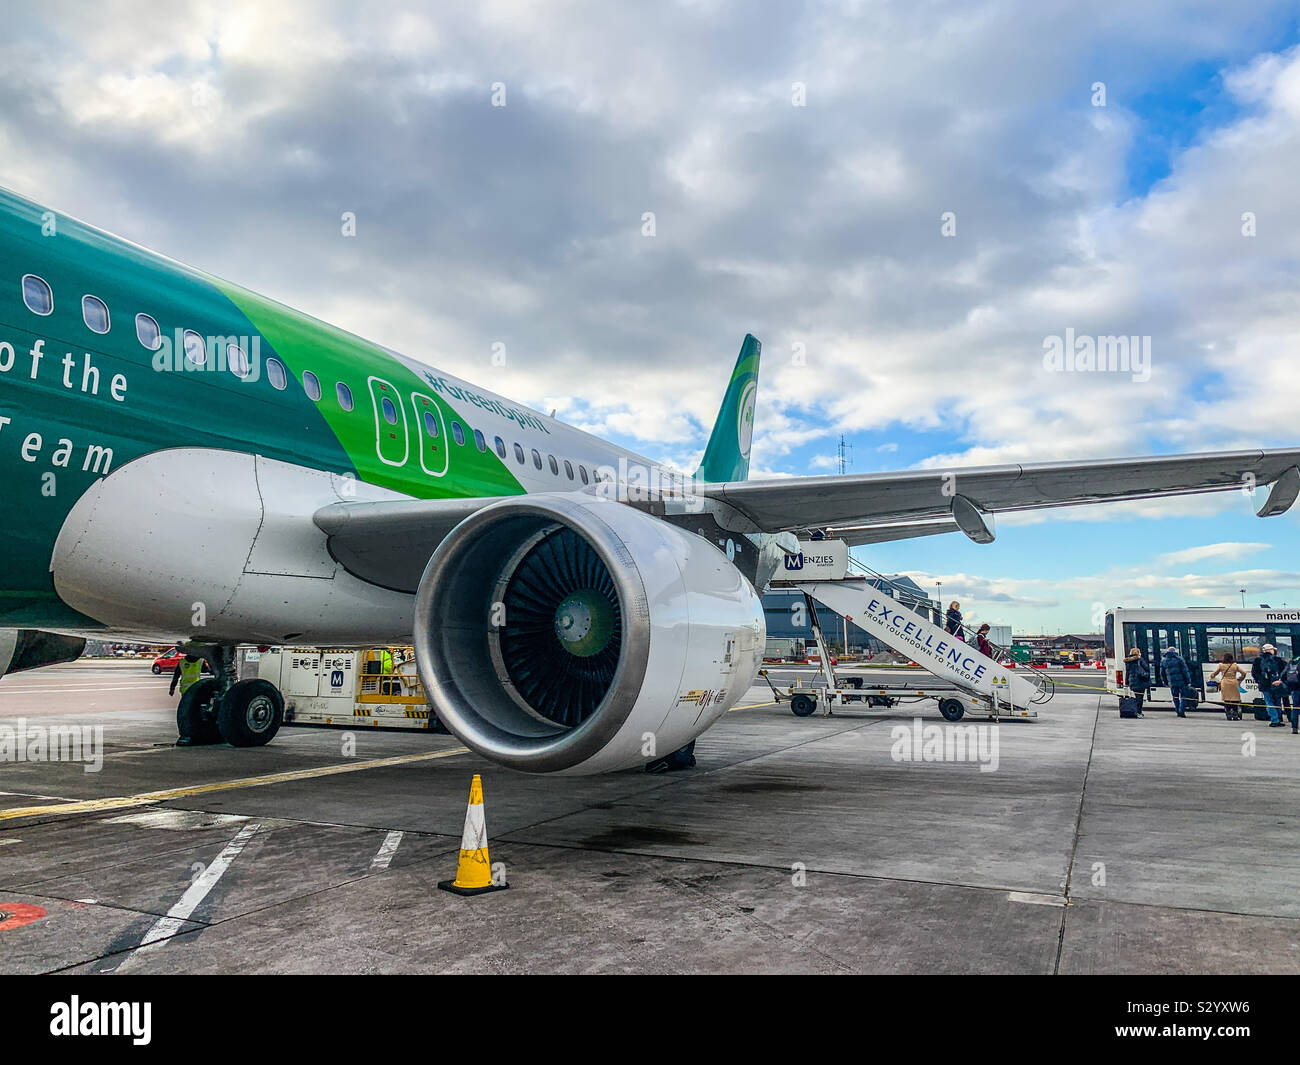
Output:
x,y
77,405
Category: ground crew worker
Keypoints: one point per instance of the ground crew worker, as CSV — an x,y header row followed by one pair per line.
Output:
x,y
387,686
187,673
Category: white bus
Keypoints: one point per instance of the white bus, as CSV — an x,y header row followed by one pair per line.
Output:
x,y
1202,635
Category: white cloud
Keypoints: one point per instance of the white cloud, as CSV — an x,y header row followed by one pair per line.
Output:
x,y
1199,554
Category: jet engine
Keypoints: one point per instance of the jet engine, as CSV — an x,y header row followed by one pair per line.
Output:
x,y
29,648
567,633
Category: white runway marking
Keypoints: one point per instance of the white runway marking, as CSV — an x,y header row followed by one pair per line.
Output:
x,y
1035,898
168,926
386,851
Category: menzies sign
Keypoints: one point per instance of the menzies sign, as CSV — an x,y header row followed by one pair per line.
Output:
x,y
818,560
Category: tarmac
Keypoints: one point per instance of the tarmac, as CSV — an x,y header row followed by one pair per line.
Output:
x,y
796,845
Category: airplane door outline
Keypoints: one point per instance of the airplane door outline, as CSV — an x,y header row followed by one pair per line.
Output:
x,y
421,403
385,434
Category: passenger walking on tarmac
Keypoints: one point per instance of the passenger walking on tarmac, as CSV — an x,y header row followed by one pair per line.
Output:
x,y
1230,675
1137,676
952,622
982,641
1179,679
1284,692
1270,675
1292,678
1291,682
187,673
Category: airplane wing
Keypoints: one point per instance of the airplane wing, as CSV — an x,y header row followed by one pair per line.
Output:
x,y
389,542
887,506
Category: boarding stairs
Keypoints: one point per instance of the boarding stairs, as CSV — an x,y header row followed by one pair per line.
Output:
x,y
978,679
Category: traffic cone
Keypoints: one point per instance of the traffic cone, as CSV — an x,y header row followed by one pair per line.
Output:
x,y
474,871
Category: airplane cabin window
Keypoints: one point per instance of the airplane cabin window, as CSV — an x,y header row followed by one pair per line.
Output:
x,y
458,434
582,472
195,349
537,459
568,469
501,447
147,332
275,374
345,395
431,424
555,466
519,454
237,361
389,411
311,385
479,441
38,296
94,312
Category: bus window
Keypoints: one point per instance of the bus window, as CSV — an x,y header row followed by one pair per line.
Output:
x,y
1220,641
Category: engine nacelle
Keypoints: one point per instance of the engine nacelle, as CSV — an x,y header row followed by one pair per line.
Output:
x,y
30,648
565,633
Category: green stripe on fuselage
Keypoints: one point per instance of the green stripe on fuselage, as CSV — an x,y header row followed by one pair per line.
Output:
x,y
307,344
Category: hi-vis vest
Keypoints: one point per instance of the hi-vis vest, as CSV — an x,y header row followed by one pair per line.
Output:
x,y
386,661
190,674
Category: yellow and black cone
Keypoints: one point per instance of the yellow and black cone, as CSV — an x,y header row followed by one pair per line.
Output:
x,y
474,871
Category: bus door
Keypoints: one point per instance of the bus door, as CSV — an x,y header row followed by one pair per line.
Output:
x,y
1153,639
1189,640
392,435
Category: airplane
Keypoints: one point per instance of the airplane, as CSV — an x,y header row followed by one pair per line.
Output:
x,y
184,460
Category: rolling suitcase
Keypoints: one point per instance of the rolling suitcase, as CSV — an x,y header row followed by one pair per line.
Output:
x,y
1128,706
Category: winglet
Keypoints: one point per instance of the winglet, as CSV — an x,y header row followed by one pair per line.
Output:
x,y
727,456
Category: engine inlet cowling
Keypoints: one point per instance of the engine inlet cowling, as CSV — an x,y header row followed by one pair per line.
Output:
x,y
563,632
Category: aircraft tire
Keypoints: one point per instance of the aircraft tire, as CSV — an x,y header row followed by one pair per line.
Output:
x,y
194,721
251,713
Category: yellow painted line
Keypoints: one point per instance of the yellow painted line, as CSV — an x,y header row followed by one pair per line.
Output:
x,y
751,706
149,797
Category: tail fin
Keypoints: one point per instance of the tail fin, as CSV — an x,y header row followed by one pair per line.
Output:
x,y
727,456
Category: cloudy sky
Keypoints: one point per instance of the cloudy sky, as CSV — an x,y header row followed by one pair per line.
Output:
x,y
902,200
